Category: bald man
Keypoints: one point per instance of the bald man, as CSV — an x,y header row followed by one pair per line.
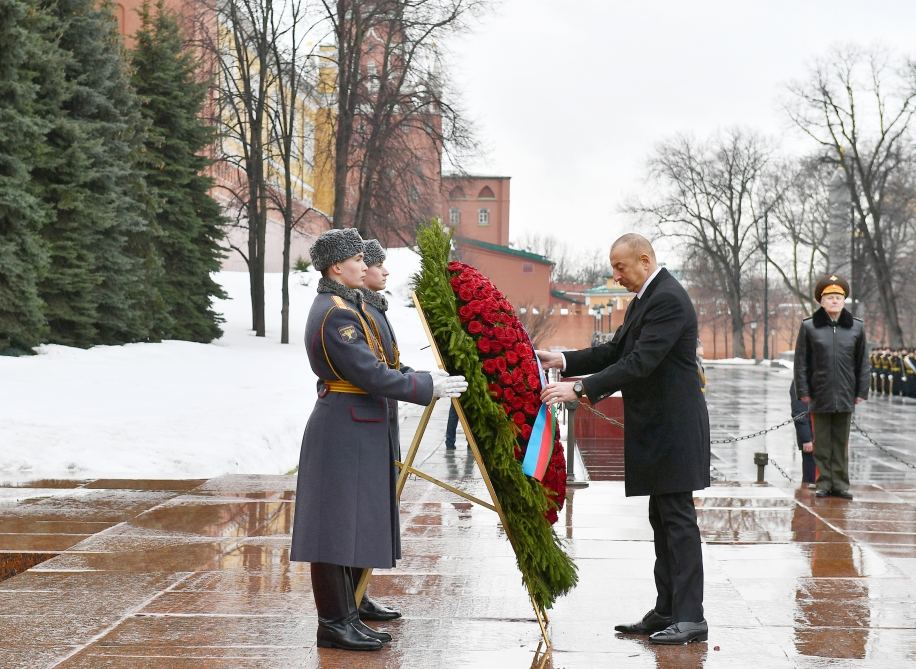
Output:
x,y
652,360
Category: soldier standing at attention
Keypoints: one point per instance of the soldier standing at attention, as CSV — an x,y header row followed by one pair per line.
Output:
x,y
831,377
375,306
346,511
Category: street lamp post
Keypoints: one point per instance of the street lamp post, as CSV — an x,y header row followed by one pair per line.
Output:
x,y
754,340
766,287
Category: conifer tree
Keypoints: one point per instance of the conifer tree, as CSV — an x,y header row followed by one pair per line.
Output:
x,y
188,220
22,129
101,283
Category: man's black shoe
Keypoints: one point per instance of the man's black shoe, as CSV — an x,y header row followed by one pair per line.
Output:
x,y
651,622
821,493
372,610
681,633
342,634
450,447
845,494
380,635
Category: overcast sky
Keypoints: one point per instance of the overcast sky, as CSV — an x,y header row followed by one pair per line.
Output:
x,y
569,98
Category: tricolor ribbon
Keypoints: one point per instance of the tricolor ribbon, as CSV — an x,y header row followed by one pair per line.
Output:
x,y
540,444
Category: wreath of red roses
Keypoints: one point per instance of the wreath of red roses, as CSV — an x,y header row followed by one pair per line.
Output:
x,y
508,362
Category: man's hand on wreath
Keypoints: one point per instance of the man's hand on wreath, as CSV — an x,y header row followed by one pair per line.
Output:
x,y
550,359
555,393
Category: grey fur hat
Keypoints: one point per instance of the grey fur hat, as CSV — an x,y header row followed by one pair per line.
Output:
x,y
334,246
374,253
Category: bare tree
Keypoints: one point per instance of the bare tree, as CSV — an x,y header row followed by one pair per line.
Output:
x,y
859,110
290,134
713,203
393,120
794,235
591,268
538,322
237,35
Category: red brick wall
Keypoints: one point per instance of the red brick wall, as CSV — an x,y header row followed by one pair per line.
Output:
x,y
464,194
508,273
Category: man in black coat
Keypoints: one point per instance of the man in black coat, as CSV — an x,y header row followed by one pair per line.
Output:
x,y
652,360
831,376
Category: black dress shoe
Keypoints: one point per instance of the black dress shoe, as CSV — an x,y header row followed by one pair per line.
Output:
x,y
821,493
651,622
845,494
681,633
343,634
372,610
384,637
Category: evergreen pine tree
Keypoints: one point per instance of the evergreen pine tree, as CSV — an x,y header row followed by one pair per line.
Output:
x,y
22,129
101,285
188,220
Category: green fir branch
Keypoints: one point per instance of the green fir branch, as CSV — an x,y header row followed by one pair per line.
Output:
x,y
547,571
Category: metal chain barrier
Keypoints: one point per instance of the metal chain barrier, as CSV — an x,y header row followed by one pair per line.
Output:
x,y
729,440
881,448
758,433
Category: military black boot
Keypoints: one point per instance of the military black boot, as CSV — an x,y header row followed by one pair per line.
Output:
x,y
370,609
337,610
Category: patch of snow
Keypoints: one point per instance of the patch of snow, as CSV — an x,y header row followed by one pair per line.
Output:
x,y
180,409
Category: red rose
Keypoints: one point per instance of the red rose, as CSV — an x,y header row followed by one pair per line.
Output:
x,y
534,381
505,378
531,408
465,293
489,366
495,346
495,391
518,418
508,394
518,403
483,345
523,350
512,357
501,364
475,328
465,313
526,432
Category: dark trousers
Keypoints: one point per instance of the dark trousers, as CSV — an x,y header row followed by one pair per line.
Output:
x,y
809,468
831,450
451,427
678,556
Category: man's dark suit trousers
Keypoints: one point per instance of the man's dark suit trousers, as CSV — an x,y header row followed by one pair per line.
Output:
x,y
678,556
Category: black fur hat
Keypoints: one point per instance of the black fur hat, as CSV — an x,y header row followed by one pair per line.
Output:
x,y
334,246
374,253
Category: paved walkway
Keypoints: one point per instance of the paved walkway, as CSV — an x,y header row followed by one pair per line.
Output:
x,y
143,574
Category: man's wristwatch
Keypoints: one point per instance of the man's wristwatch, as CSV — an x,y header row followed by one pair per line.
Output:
x,y
579,389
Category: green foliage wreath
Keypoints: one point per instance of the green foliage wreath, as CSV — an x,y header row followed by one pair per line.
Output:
x,y
547,571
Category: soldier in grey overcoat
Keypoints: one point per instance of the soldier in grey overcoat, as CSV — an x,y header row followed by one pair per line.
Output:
x,y
346,512
375,307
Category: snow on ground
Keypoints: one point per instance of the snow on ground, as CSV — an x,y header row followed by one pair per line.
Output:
x,y
180,409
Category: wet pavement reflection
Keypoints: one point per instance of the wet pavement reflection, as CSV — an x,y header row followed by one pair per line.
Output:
x,y
174,574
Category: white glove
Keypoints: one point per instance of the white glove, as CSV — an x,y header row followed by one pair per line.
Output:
x,y
449,386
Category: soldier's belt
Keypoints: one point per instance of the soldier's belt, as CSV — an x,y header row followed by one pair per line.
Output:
x,y
343,387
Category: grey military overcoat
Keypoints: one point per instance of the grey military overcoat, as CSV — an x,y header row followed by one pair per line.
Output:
x,y
346,511
382,326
